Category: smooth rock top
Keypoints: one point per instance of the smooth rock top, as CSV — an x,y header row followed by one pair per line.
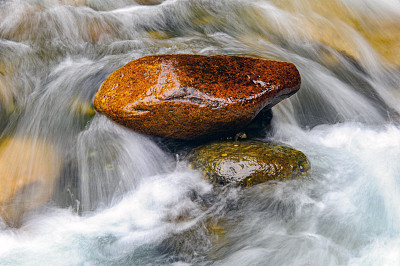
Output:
x,y
191,96
248,163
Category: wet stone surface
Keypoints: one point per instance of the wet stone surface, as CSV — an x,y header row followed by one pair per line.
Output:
x,y
247,163
29,169
193,96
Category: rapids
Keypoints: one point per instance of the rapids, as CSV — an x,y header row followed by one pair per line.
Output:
x,y
136,202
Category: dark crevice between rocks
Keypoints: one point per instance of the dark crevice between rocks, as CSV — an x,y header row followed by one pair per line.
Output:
x,y
258,128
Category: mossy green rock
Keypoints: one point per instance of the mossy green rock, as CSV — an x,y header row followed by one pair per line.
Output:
x,y
248,163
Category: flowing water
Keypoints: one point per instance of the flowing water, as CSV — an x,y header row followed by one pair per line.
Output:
x,y
124,199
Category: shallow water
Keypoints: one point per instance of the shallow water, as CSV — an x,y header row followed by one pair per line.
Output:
x,y
137,203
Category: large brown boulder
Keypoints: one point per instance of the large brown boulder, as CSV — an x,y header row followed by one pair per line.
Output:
x,y
191,96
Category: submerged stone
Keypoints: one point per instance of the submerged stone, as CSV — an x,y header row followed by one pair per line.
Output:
x,y
335,22
28,171
82,111
192,96
6,87
248,163
149,2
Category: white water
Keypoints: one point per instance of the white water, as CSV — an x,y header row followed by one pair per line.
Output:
x,y
138,204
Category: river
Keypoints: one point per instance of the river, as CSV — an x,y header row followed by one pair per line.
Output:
x,y
137,203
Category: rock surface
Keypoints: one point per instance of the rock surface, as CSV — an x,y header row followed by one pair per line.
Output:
x,y
28,171
191,96
248,163
149,2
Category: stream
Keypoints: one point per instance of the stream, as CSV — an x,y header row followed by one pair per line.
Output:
x,y
122,198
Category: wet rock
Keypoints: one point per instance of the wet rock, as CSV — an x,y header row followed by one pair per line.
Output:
x,y
82,108
247,163
192,96
260,127
149,2
334,23
96,28
73,2
28,171
6,87
82,111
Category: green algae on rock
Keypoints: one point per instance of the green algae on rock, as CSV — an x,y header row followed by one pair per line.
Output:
x,y
192,96
247,163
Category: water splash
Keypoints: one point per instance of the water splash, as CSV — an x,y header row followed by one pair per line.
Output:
x,y
55,54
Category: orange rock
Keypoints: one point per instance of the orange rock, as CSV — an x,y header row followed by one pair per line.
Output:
x,y
191,96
